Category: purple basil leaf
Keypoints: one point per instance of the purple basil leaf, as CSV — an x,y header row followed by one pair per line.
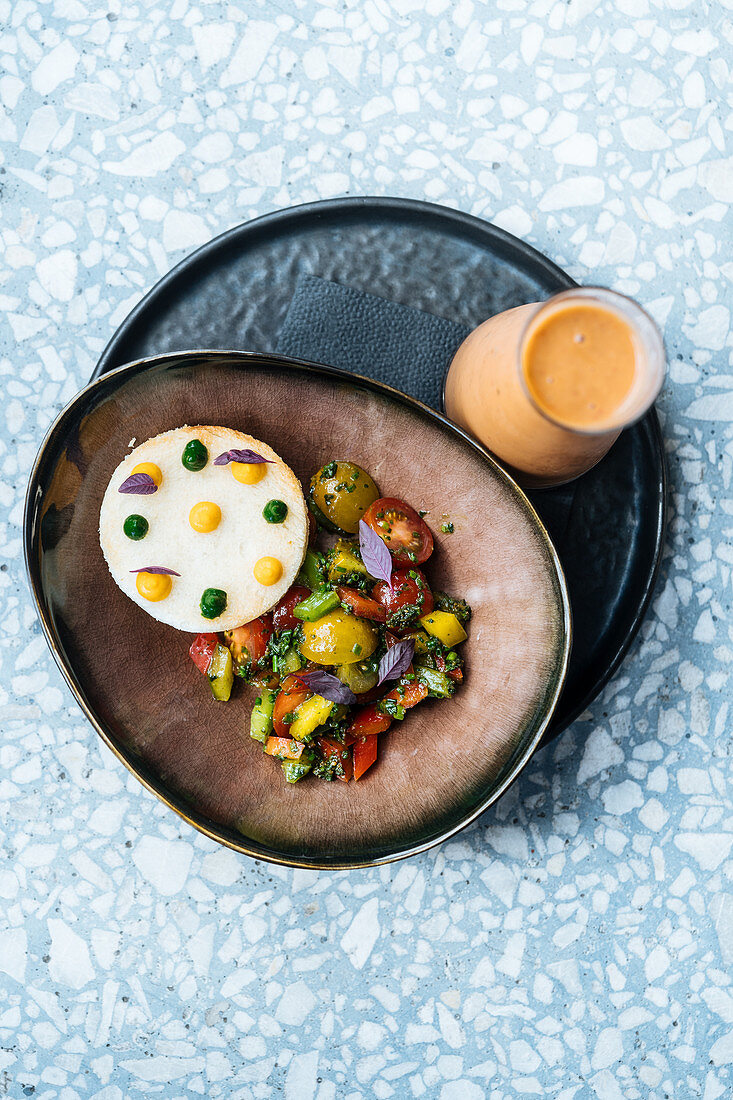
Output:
x,y
239,456
326,685
396,660
374,554
141,484
156,569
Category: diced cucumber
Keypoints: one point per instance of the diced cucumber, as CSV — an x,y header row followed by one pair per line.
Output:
x,y
260,726
437,683
317,605
311,571
290,662
294,770
221,673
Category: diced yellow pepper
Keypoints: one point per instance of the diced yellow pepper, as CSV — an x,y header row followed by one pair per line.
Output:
x,y
311,714
344,562
445,627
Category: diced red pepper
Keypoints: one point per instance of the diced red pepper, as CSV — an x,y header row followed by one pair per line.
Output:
x,y
368,720
330,748
362,606
202,650
292,694
365,753
409,694
455,674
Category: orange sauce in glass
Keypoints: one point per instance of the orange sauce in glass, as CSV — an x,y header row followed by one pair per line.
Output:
x,y
579,364
548,386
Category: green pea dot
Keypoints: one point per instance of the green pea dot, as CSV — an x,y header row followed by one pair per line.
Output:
x,y
275,511
195,455
213,603
135,527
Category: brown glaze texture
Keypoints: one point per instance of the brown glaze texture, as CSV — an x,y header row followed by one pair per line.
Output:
x,y
134,674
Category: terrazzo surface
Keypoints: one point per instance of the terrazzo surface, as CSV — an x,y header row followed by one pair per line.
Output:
x,y
577,941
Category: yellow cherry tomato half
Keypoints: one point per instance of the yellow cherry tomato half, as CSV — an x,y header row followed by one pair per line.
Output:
x,y
153,586
205,516
249,473
268,571
150,469
340,493
338,639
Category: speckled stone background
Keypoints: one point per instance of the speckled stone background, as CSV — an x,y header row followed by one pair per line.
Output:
x,y
577,941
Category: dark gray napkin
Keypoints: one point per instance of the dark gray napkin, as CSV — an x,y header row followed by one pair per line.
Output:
x,y
404,347
347,328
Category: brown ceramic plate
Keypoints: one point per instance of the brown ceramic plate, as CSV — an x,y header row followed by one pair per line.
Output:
x,y
439,769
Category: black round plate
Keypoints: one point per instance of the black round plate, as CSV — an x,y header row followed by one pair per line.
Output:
x,y
234,293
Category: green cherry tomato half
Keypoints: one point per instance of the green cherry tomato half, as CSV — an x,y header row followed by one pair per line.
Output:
x,y
213,603
195,455
275,511
135,527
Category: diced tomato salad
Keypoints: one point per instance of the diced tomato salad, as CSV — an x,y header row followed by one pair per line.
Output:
x,y
358,641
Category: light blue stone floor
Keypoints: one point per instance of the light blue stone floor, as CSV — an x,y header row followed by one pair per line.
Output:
x,y
577,941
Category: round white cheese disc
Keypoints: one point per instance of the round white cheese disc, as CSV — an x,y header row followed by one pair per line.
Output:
x,y
223,558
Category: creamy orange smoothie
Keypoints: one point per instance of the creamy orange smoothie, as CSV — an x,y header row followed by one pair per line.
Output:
x,y
548,387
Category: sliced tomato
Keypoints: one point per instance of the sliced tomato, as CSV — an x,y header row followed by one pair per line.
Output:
x,y
282,616
407,536
406,600
248,643
365,753
361,605
284,748
292,694
368,721
455,674
202,650
329,748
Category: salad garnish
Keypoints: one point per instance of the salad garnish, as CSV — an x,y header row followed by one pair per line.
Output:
x,y
235,455
396,660
140,484
327,686
374,554
157,569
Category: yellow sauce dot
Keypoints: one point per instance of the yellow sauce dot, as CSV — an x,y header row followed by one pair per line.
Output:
x,y
249,473
205,516
151,469
153,586
268,571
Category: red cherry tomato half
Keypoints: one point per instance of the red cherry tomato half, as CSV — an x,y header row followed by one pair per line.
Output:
x,y
202,650
365,753
406,535
361,605
406,592
282,616
252,638
292,694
